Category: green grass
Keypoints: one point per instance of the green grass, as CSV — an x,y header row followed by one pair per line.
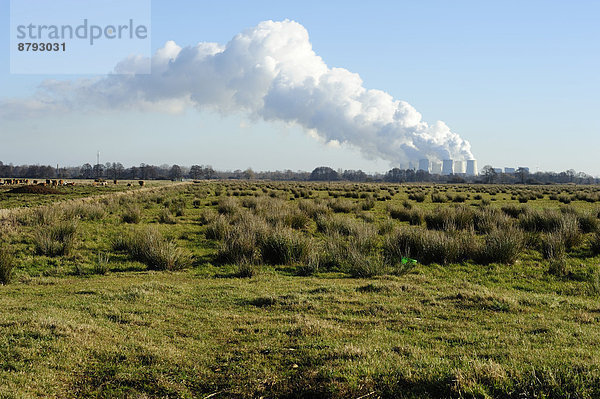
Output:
x,y
333,314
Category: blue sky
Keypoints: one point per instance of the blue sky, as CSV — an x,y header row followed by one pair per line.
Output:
x,y
518,80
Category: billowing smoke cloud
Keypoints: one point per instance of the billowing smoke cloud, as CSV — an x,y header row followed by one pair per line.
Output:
x,y
269,72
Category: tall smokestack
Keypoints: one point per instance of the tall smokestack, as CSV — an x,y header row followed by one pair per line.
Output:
x,y
472,167
447,167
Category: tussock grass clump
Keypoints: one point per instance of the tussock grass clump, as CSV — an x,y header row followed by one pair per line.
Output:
x,y
449,219
417,197
426,246
151,248
438,198
227,206
177,208
489,219
217,229
246,269
361,265
42,216
240,242
595,243
283,246
297,220
102,264
85,211
502,246
166,217
132,214
56,240
338,224
313,209
208,216
545,220
514,211
414,217
340,205
552,245
588,223
7,265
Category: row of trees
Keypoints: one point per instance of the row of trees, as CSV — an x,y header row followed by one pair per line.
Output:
x,y
116,170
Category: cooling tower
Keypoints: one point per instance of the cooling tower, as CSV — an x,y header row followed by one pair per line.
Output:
x,y
472,167
436,168
447,167
424,165
459,167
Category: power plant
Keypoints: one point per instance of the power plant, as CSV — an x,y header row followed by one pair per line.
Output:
x,y
472,167
447,167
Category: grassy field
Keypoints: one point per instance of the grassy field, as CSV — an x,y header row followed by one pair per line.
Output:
x,y
250,289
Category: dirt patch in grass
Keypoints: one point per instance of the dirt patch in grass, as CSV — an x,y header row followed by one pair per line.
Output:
x,y
34,190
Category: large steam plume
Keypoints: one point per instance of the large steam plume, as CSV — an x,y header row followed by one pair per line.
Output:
x,y
269,72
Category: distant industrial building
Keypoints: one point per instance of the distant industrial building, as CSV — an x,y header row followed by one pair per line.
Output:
x,y
447,167
472,167
509,170
524,168
424,165
436,168
498,170
459,167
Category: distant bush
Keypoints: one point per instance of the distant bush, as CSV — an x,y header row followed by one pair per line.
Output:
x,y
7,264
55,240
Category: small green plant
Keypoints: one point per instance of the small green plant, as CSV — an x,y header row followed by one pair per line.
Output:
x,y
246,269
558,267
102,265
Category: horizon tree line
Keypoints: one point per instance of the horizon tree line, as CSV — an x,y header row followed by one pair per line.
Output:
x,y
116,171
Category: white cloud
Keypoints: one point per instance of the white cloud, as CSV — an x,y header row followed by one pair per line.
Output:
x,y
268,72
